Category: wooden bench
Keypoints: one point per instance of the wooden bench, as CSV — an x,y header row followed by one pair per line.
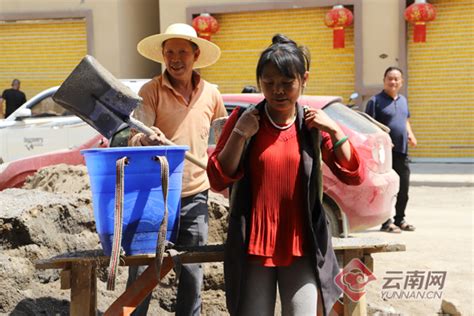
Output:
x,y
78,273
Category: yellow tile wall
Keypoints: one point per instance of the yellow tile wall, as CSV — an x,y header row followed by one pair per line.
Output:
x,y
41,54
441,83
243,36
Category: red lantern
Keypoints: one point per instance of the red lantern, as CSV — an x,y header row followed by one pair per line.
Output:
x,y
418,14
205,25
338,18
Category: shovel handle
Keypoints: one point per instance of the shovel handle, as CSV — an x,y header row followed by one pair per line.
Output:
x,y
139,126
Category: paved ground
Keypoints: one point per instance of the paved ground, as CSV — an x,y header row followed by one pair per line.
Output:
x,y
442,174
441,207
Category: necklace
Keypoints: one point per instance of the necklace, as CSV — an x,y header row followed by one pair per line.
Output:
x,y
282,128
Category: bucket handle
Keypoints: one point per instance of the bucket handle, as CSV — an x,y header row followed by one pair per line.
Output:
x,y
117,250
161,240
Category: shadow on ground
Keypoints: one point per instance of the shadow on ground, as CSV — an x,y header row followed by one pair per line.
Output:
x,y
41,306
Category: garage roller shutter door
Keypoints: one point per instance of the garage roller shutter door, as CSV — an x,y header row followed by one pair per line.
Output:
x,y
243,36
441,84
40,53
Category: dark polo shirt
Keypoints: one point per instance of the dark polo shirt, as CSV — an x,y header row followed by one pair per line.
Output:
x,y
393,113
14,99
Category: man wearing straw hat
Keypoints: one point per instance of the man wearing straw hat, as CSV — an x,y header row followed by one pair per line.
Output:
x,y
182,106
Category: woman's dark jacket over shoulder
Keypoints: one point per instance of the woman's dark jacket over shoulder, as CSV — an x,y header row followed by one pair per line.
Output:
x,y
321,252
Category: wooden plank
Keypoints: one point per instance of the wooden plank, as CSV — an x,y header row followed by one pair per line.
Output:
x,y
368,260
138,290
354,308
65,276
65,262
377,244
83,289
386,248
141,260
147,281
211,252
83,283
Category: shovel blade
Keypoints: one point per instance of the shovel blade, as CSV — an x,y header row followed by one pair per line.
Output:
x,y
97,97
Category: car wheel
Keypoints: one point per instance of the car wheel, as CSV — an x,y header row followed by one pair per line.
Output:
x,y
332,215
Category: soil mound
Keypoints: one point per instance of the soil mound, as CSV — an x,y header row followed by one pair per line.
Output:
x,y
52,214
60,178
35,225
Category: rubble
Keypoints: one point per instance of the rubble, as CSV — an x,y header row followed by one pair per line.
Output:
x,y
52,214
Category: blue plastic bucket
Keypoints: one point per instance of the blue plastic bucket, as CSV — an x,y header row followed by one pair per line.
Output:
x,y
143,206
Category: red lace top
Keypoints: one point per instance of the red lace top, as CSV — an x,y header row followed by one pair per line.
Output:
x,y
278,220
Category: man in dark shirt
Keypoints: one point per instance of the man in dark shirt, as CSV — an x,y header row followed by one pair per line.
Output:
x,y
391,109
13,97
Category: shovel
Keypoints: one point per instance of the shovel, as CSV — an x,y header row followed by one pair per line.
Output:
x,y
97,97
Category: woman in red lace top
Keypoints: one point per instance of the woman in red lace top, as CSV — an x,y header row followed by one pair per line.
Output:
x,y
277,230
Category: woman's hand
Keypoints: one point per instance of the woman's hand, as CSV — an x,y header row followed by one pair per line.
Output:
x,y
156,139
248,123
245,127
317,118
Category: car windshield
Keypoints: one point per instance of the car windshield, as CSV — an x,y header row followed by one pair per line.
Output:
x,y
350,118
48,107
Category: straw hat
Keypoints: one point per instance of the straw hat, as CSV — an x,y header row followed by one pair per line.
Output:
x,y
150,47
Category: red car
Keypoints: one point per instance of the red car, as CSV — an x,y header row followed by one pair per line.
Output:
x,y
13,174
349,208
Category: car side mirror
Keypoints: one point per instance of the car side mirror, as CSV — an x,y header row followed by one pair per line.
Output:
x,y
22,114
352,97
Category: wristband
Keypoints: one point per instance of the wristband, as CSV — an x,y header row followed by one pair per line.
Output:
x,y
239,132
340,142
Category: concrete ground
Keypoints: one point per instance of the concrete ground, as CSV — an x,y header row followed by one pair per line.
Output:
x,y
442,174
441,207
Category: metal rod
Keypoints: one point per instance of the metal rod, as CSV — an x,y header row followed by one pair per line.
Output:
x,y
136,124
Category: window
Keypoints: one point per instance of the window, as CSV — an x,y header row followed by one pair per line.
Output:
x,y
350,118
47,107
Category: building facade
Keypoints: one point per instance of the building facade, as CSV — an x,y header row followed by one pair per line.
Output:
x,y
438,73
41,43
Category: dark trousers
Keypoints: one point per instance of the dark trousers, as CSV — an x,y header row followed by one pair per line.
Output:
x,y
193,231
401,167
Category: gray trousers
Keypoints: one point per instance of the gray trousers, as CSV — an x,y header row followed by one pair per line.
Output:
x,y
296,285
193,231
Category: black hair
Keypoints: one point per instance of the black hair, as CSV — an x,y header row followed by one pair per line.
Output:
x,y
15,81
289,58
390,69
249,89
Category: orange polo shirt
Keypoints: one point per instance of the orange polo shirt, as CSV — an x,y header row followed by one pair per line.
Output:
x,y
182,122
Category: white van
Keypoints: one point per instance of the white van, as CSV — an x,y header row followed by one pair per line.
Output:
x,y
41,125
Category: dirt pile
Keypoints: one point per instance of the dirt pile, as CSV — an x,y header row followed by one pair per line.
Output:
x,y
34,225
60,178
51,215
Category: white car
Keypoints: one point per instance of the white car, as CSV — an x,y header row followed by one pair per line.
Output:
x,y
41,125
